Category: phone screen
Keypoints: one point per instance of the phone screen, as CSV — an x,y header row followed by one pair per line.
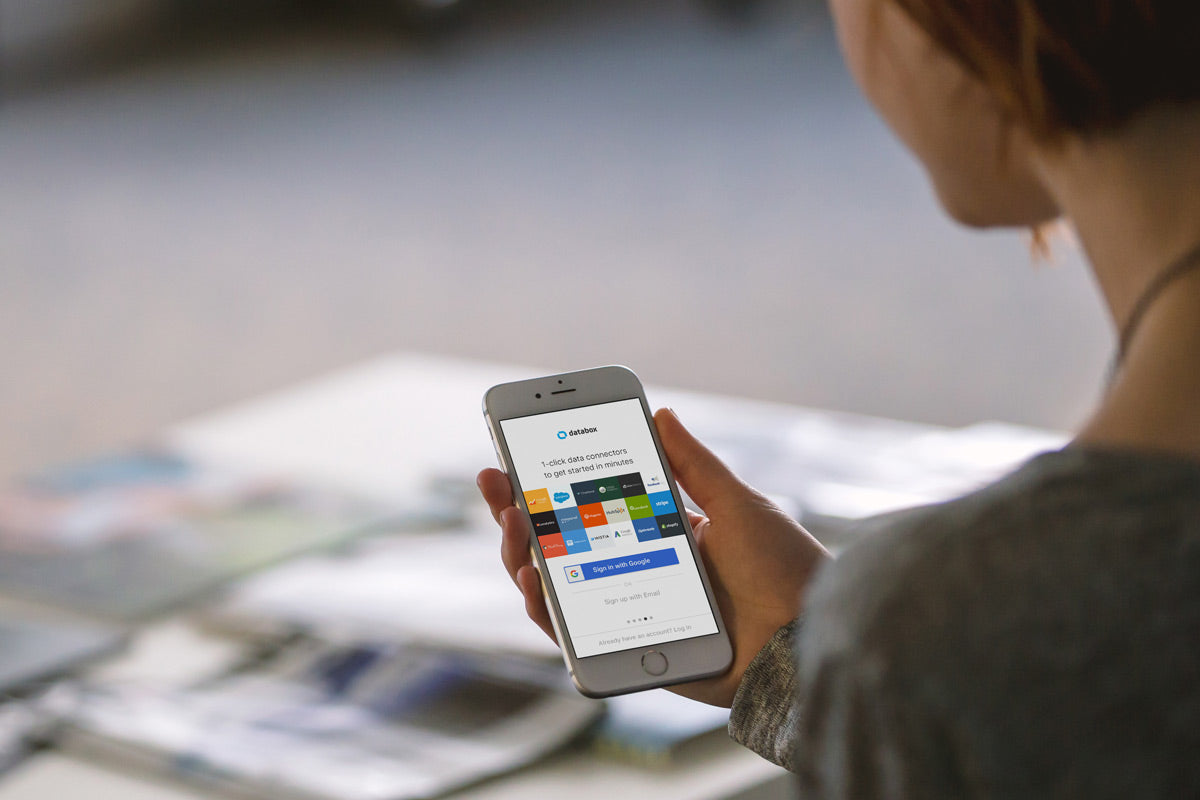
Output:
x,y
607,523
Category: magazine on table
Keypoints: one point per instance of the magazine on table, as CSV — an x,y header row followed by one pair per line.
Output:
x,y
139,532
350,721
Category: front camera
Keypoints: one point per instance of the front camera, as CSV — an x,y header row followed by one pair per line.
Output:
x,y
538,395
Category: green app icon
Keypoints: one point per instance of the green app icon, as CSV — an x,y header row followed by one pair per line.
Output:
x,y
609,488
639,507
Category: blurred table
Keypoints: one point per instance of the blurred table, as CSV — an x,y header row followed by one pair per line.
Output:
x,y
404,426
389,427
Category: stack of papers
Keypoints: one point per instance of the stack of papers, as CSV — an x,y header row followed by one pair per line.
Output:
x,y
440,588
359,721
134,533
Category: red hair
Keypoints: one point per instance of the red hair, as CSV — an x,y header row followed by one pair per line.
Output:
x,y
1072,66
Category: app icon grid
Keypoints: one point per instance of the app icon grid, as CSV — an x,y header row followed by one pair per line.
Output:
x,y
606,511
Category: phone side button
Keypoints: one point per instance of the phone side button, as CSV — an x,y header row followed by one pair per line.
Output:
x,y
654,662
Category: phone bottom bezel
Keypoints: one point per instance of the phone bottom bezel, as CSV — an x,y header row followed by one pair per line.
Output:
x,y
610,674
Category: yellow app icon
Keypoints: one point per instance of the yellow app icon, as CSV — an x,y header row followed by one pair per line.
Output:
x,y
538,500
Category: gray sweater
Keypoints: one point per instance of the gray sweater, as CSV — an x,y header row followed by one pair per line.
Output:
x,y
1038,638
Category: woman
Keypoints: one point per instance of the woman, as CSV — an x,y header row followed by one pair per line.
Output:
x,y
1040,637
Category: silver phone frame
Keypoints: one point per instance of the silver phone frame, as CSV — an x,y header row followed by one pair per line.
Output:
x,y
620,672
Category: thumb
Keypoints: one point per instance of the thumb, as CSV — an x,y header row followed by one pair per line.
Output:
x,y
701,474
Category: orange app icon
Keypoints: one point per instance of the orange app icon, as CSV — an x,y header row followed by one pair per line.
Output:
x,y
538,500
592,515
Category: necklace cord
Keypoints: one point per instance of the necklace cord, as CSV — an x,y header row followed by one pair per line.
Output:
x,y
1176,269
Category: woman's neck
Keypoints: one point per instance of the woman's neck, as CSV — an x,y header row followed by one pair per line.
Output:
x,y
1133,199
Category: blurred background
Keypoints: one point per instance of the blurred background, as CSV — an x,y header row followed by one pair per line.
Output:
x,y
206,199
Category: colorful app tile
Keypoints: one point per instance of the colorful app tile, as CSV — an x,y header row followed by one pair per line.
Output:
x,y
670,525
552,545
576,541
654,483
544,523
639,506
631,484
608,488
537,501
569,519
592,515
561,498
615,511
663,503
585,493
646,529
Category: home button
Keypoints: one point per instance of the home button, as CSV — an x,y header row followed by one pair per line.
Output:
x,y
654,662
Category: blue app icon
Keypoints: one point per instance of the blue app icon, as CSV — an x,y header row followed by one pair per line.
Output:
x,y
568,519
662,503
562,434
561,497
646,529
576,542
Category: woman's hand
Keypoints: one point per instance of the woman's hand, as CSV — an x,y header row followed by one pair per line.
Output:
x,y
759,560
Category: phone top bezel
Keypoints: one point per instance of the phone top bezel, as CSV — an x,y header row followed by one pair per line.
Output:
x,y
618,672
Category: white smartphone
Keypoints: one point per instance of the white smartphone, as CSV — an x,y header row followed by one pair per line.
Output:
x,y
627,592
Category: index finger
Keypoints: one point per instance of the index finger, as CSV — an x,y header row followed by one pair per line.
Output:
x,y
496,490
